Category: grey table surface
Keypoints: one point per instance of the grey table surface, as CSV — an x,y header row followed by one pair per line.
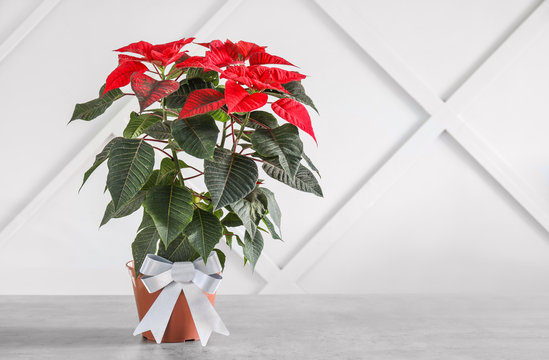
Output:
x,y
441,327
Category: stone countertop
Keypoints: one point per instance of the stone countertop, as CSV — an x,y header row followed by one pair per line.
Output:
x,y
441,327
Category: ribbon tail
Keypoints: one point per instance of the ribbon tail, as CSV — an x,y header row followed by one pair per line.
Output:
x,y
160,312
206,319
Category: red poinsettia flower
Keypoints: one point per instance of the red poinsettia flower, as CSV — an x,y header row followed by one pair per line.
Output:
x,y
261,77
162,54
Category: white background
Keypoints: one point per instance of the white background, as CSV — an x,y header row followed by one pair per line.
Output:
x,y
433,143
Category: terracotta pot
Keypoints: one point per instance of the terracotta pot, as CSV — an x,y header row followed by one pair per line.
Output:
x,y
181,325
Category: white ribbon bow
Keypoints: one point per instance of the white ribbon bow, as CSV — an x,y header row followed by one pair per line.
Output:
x,y
193,278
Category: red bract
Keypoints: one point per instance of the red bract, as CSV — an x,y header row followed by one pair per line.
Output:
x,y
238,99
295,113
162,54
122,74
264,58
202,101
148,90
261,77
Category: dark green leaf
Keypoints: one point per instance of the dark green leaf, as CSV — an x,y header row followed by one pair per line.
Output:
x,y
138,124
196,135
282,142
186,86
168,171
92,109
258,118
222,257
298,93
271,228
170,206
145,242
179,250
310,163
128,208
231,220
251,209
204,232
253,247
272,206
229,177
99,159
130,164
160,130
304,179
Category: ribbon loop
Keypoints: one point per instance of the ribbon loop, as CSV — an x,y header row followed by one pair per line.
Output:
x,y
193,278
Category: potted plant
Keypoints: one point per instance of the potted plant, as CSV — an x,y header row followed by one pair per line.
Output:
x,y
200,117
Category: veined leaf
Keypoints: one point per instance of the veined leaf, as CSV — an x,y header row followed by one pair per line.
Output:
x,y
99,159
253,247
168,171
202,101
261,120
179,250
145,242
196,135
295,113
204,232
272,206
92,109
239,100
160,130
229,177
148,90
220,115
310,163
122,74
304,179
130,164
271,228
231,220
139,123
298,93
222,257
282,142
177,99
128,208
170,206
251,209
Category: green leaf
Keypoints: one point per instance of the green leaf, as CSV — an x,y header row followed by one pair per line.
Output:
x,y
222,257
220,115
160,130
231,220
170,206
310,163
298,93
271,228
138,124
92,109
177,99
130,164
196,135
252,247
282,142
272,206
251,209
304,179
145,242
204,232
258,118
99,159
229,177
179,250
128,208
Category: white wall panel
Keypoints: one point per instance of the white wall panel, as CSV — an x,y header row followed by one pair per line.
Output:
x,y
404,210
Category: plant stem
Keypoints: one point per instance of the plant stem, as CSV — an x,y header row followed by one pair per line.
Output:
x,y
159,149
242,126
192,177
178,168
224,135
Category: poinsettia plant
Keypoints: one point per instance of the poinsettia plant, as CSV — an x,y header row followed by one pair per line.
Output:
x,y
205,107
